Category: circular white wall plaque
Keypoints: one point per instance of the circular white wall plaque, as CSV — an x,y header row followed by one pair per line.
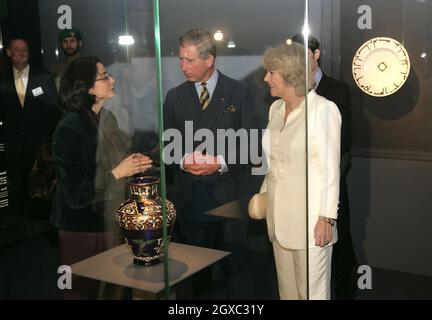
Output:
x,y
380,66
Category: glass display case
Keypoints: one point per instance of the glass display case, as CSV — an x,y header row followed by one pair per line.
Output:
x,y
350,183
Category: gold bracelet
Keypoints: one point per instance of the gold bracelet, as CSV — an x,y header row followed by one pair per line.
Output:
x,y
330,221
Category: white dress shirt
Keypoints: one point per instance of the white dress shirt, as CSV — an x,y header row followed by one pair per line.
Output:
x,y
211,86
24,76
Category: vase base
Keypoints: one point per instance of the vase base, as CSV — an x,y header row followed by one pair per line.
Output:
x,y
146,263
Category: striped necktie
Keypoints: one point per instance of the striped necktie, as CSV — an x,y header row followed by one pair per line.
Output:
x,y
205,96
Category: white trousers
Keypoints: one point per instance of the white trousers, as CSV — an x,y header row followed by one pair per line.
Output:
x,y
292,276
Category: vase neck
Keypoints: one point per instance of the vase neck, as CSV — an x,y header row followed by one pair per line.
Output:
x,y
149,191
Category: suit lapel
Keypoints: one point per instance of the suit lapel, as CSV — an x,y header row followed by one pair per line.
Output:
x,y
322,88
193,101
293,116
29,88
192,105
218,99
299,111
12,92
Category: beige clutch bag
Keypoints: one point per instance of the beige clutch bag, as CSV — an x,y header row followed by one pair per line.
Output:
x,y
257,207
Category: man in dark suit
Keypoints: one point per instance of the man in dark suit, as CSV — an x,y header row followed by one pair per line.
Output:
x,y
30,113
344,262
206,173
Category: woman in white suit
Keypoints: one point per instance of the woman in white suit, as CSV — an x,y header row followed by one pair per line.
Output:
x,y
296,222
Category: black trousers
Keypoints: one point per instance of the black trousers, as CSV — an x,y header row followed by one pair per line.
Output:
x,y
226,279
19,171
344,261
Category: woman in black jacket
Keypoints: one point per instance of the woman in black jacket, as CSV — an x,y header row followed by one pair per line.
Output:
x,y
78,206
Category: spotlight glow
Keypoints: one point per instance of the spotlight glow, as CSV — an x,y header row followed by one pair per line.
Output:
x,y
126,40
231,44
306,31
218,35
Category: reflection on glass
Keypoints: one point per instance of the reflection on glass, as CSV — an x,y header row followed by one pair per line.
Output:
x,y
391,135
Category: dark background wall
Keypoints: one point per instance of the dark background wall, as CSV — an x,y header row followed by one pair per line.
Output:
x,y
20,18
390,180
397,126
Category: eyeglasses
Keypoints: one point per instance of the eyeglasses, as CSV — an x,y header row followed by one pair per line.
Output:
x,y
105,77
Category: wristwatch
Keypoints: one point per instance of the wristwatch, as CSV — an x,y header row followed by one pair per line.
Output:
x,y
330,221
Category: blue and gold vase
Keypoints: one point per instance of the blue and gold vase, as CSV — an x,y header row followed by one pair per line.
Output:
x,y
140,219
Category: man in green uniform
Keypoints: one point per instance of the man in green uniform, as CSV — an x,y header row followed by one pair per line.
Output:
x,y
70,42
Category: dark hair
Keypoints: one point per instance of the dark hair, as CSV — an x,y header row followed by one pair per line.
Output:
x,y
202,39
17,37
69,33
313,43
75,84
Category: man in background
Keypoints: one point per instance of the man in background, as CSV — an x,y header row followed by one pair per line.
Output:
x,y
29,112
70,41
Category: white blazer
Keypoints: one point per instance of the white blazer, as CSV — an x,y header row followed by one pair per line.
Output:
x,y
285,182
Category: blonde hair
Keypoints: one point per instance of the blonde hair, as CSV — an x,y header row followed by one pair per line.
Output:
x,y
289,61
